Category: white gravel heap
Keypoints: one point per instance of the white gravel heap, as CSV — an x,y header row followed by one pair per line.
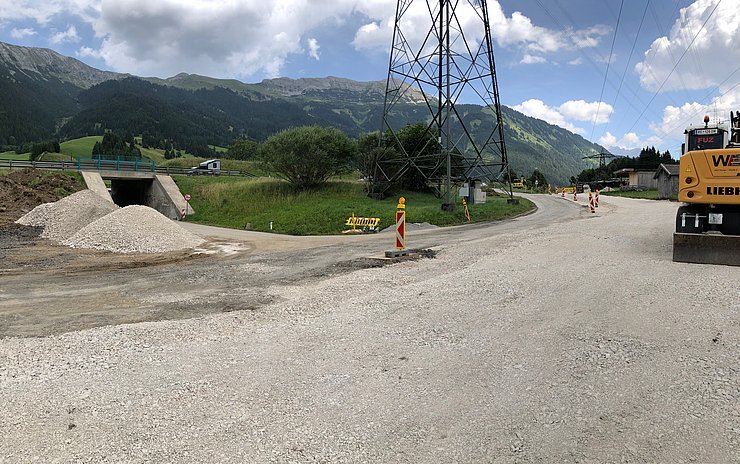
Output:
x,y
62,219
38,216
134,229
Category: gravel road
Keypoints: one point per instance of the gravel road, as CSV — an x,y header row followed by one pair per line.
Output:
x,y
562,336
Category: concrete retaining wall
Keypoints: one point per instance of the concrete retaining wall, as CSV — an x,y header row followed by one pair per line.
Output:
x,y
169,197
95,182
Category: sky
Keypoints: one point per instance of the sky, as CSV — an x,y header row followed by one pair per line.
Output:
x,y
622,73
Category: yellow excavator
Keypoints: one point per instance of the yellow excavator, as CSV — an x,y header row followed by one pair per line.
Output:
x,y
708,223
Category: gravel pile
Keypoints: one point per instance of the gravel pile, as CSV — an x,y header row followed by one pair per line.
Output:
x,y
134,229
37,217
62,219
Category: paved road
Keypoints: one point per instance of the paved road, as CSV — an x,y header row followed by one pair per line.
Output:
x,y
569,341
552,209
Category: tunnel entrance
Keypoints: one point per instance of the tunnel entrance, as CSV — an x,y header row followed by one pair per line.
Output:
x,y
146,192
126,192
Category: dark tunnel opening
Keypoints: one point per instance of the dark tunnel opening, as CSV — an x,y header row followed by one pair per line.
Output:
x,y
131,192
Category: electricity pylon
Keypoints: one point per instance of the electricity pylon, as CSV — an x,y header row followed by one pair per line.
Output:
x,y
438,64
602,157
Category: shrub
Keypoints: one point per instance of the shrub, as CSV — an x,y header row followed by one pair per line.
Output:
x,y
307,156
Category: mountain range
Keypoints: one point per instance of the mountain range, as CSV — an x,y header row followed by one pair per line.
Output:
x,y
46,95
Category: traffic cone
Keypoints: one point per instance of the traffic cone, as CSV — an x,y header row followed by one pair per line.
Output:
x,y
596,201
591,202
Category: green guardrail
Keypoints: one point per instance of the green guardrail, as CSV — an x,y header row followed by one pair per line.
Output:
x,y
118,164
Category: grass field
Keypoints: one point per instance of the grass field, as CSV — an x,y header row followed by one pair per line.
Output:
x,y
240,203
645,194
11,155
80,148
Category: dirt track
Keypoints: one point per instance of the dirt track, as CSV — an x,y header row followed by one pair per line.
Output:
x,y
557,337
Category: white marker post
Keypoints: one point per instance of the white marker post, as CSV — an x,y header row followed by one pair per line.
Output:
x,y
187,203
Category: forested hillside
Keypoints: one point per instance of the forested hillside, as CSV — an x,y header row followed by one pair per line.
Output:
x,y
32,108
47,95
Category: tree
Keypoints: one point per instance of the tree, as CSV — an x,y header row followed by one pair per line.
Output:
x,y
537,180
510,175
114,146
37,149
420,142
242,149
307,156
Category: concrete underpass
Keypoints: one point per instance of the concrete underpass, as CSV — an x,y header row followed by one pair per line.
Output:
x,y
139,188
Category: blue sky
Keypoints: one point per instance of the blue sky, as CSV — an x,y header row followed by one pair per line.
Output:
x,y
680,58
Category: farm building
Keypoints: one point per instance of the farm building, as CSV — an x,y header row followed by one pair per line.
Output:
x,y
638,179
667,179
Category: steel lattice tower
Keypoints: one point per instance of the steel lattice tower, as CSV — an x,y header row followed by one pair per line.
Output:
x,y
452,61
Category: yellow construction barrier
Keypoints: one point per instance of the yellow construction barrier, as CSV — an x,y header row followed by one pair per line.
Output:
x,y
365,224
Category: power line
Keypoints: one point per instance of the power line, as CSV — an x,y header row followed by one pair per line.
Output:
x,y
656,18
635,96
608,63
691,116
629,60
674,67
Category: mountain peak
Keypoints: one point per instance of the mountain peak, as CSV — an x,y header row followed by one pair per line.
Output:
x,y
182,75
41,62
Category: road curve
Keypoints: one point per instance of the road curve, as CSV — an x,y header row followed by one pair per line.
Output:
x,y
550,209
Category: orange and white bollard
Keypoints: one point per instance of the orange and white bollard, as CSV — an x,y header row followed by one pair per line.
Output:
x,y
575,193
562,192
591,202
549,189
596,200
401,224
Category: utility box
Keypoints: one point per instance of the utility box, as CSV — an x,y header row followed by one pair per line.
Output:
x,y
473,192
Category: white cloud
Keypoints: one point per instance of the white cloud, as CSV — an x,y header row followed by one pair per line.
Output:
x,y
70,35
628,141
164,37
576,110
715,48
42,11
668,132
608,140
313,48
516,30
576,61
532,59
22,33
87,52
247,37
538,109
631,140
374,36
584,111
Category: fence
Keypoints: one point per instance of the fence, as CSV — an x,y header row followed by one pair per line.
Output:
x,y
91,164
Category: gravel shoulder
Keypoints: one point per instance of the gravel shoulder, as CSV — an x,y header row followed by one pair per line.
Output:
x,y
557,337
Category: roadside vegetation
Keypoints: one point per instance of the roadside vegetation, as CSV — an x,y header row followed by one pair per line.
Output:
x,y
306,182
642,194
252,204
